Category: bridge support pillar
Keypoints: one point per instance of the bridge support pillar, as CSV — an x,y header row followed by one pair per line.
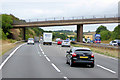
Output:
x,y
24,32
80,33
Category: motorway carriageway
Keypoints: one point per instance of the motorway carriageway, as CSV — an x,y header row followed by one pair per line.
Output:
x,y
45,61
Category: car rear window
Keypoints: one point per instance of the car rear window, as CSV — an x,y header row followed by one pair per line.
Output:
x,y
30,39
83,51
66,41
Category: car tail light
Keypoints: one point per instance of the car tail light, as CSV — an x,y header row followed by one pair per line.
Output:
x,y
74,55
92,55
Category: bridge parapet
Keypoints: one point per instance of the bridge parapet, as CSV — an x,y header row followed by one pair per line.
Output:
x,y
66,19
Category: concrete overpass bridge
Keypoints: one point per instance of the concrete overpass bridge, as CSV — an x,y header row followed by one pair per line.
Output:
x,y
63,22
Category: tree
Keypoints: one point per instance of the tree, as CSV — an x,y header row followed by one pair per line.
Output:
x,y
7,24
101,28
2,35
58,35
116,32
105,35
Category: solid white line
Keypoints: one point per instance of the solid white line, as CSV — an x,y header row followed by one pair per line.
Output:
x,y
55,67
106,69
106,56
1,66
47,59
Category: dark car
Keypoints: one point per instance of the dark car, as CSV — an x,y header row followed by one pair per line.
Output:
x,y
78,55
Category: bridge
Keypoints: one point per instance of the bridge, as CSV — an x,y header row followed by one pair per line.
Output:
x,y
79,21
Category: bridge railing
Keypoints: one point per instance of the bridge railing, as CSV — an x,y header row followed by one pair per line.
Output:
x,y
65,18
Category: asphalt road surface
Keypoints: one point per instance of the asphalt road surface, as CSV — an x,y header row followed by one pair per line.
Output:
x,y
45,61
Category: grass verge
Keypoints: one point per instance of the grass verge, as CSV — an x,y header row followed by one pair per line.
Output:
x,y
7,45
107,52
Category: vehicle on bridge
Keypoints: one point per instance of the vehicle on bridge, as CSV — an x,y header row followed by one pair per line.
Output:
x,y
47,38
65,43
80,55
30,41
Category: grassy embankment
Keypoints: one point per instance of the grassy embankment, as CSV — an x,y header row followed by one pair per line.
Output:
x,y
108,52
6,45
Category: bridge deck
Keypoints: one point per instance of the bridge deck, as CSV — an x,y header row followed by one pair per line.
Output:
x,y
66,22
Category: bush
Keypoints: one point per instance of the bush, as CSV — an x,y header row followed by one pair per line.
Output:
x,y
105,35
2,35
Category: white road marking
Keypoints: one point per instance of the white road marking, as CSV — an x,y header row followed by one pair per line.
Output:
x,y
47,59
106,69
43,52
45,55
106,56
55,67
65,78
1,66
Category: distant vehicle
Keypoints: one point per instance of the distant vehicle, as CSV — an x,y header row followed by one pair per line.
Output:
x,y
97,38
57,39
36,39
115,43
78,55
88,40
41,38
84,41
65,43
59,42
30,41
47,38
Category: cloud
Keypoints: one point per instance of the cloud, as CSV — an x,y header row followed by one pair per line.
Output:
x,y
37,9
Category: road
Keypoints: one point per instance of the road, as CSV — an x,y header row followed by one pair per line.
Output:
x,y
45,61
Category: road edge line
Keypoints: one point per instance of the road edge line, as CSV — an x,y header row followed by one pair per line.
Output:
x,y
4,62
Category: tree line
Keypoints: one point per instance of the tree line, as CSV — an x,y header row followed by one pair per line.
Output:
x,y
108,35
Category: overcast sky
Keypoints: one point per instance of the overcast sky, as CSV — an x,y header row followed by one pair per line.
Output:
x,y
40,9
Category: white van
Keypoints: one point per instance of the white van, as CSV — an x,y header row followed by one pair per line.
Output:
x,y
47,38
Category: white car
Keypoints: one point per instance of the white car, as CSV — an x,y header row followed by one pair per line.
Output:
x,y
30,41
113,43
65,43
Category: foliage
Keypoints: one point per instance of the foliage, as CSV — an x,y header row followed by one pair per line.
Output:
x,y
38,31
7,24
116,32
101,28
58,35
2,35
105,35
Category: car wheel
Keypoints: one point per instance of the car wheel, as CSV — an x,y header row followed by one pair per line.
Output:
x,y
71,63
92,65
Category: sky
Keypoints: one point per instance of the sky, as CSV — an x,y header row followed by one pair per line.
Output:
x,y
42,9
